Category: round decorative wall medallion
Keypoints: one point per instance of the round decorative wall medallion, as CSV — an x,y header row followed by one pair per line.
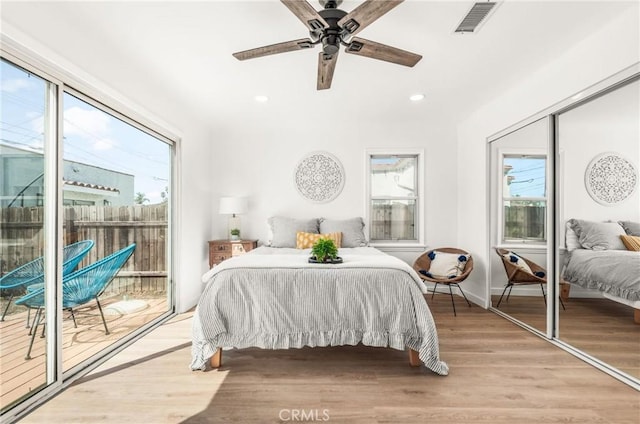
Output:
x,y
319,177
610,178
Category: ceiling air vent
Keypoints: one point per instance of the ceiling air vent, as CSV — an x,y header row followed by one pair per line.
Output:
x,y
475,17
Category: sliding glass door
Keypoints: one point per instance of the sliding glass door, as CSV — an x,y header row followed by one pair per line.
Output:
x,y
25,115
85,233
115,195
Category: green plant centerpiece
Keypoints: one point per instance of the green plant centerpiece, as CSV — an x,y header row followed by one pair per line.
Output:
x,y
235,234
324,250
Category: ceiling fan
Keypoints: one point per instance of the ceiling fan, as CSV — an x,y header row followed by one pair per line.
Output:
x,y
333,27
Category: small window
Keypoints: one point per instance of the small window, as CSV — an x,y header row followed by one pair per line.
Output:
x,y
394,199
524,198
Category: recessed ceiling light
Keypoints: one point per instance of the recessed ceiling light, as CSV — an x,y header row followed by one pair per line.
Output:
x,y
261,99
416,97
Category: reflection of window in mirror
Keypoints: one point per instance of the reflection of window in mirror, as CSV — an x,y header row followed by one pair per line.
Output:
x,y
523,198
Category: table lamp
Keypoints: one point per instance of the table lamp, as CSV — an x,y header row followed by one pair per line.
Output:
x,y
233,206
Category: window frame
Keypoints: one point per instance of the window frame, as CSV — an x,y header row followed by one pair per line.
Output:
x,y
501,198
419,198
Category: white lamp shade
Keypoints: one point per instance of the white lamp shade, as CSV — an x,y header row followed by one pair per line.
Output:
x,y
233,205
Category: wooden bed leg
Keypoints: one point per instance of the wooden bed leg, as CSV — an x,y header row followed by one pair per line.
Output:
x,y
216,359
565,289
636,316
414,360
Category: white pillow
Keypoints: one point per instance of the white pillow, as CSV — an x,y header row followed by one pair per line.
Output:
x,y
518,261
571,238
446,265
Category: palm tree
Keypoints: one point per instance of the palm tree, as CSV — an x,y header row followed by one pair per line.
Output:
x,y
140,198
165,194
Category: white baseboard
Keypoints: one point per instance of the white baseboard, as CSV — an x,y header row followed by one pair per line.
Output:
x,y
534,290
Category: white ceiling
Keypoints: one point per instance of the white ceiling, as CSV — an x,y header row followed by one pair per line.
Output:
x,y
184,50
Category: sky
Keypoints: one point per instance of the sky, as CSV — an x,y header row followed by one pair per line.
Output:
x,y
91,136
528,176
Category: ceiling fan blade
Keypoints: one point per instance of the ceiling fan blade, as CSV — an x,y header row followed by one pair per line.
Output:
x,y
326,66
362,47
363,15
287,46
307,14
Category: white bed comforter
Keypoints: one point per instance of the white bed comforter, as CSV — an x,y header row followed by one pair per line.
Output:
x,y
274,299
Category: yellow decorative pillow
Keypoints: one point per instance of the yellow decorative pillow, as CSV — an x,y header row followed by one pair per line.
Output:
x,y
306,240
631,242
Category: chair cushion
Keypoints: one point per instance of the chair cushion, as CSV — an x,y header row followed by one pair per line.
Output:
x,y
516,260
446,265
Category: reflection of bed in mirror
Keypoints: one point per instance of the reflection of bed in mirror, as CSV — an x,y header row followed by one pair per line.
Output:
x,y
598,259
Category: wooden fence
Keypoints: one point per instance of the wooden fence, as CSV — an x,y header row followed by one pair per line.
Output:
x,y
526,222
110,227
392,222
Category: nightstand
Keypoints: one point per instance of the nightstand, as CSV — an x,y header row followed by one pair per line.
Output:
x,y
219,250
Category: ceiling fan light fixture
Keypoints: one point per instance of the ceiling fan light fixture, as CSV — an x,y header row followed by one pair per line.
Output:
x,y
416,97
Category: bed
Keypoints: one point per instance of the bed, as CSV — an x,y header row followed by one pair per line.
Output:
x,y
273,298
598,258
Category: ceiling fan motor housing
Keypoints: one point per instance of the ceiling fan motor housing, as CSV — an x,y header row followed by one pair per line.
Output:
x,y
332,35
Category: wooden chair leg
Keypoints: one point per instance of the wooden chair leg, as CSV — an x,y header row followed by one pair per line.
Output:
x,y
216,359
414,360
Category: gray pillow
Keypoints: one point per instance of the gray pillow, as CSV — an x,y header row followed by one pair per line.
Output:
x,y
283,230
630,227
351,229
598,235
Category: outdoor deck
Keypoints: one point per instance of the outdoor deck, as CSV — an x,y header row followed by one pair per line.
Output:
x,y
19,376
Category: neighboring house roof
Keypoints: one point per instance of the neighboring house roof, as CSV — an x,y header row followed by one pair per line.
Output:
x,y
91,186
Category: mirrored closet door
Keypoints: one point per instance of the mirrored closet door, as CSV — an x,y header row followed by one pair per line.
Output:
x,y
598,146
565,224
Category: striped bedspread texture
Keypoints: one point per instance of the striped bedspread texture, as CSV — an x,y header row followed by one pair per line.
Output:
x,y
272,298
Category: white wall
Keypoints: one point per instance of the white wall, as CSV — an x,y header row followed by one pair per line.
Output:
x,y
610,123
258,161
613,48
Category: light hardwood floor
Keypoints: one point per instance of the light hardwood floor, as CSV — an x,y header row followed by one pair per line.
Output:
x,y
499,373
600,327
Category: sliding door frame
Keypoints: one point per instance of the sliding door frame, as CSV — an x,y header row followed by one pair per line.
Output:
x,y
61,82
